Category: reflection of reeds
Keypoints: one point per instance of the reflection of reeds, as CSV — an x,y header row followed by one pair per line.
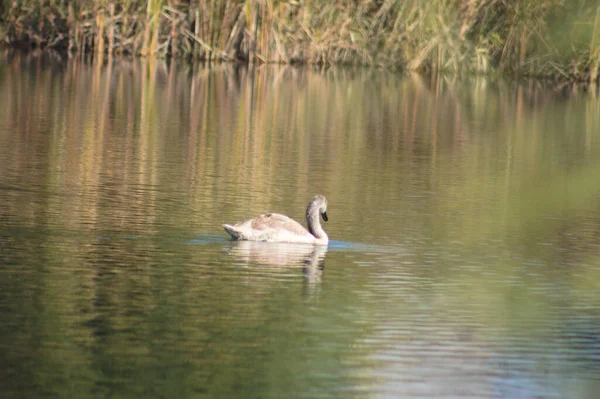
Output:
x,y
264,136
237,129
93,156
548,37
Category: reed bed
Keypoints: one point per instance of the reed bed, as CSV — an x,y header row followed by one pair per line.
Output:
x,y
551,38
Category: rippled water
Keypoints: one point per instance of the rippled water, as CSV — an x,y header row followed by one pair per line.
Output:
x,y
464,217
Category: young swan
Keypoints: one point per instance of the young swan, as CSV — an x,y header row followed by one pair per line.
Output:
x,y
274,227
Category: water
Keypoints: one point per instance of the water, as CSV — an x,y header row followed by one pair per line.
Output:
x,y
463,214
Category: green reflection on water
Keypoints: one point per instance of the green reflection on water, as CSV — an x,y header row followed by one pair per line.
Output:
x,y
467,212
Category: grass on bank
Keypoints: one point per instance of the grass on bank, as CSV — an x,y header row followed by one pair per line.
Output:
x,y
552,38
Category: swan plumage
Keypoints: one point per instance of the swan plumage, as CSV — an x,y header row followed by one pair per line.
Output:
x,y
275,227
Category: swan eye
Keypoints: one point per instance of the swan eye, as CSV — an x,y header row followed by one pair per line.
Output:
x,y
324,214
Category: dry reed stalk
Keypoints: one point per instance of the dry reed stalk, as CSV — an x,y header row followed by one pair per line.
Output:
x,y
152,28
73,29
112,27
236,36
99,35
177,19
252,15
226,23
266,20
198,40
147,30
595,50
197,48
155,32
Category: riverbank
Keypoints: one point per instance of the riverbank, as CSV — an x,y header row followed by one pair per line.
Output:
x,y
554,39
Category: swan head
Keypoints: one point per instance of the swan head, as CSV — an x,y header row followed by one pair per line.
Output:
x,y
316,206
318,203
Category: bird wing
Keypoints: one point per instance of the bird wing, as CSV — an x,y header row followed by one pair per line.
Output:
x,y
278,221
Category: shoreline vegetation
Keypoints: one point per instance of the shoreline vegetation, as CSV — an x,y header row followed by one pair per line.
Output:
x,y
557,39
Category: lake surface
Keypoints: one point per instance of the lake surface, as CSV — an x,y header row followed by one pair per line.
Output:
x,y
464,215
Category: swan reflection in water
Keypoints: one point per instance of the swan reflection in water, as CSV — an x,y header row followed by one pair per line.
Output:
x,y
278,256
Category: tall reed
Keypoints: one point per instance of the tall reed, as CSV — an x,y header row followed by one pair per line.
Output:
x,y
534,37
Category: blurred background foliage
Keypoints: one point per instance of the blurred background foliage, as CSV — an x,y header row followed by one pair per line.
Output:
x,y
544,38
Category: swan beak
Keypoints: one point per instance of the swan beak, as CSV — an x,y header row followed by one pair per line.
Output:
x,y
324,214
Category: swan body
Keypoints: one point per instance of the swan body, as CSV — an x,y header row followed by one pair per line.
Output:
x,y
275,227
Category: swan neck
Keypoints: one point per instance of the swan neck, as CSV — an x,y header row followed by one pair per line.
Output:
x,y
314,223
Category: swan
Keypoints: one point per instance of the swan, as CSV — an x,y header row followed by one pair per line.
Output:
x,y
275,227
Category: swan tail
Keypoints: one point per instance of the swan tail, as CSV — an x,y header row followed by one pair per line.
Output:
x,y
235,234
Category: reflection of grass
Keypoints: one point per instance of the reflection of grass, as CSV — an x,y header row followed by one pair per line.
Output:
x,y
346,122
141,149
537,204
540,37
